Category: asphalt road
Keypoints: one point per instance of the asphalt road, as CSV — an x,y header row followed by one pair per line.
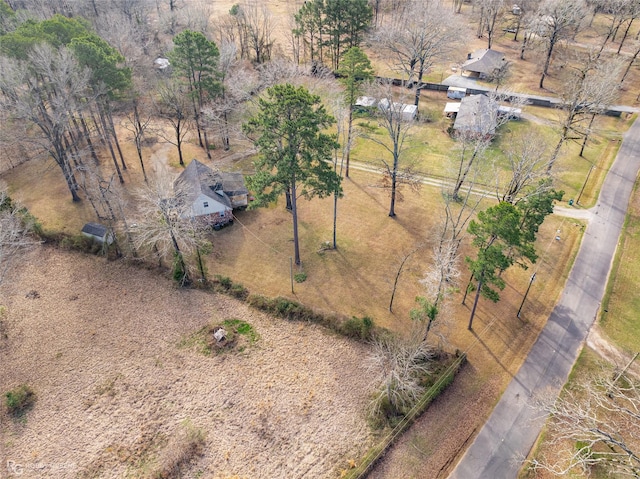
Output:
x,y
513,427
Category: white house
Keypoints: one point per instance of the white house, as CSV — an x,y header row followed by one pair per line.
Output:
x,y
212,196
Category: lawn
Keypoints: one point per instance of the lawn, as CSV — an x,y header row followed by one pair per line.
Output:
x,y
621,306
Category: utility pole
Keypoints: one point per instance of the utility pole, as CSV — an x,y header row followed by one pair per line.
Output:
x,y
585,184
533,276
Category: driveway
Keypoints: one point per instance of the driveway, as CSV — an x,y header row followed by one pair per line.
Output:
x,y
513,427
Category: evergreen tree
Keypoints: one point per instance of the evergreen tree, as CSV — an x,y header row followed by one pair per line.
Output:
x,y
355,71
195,59
294,152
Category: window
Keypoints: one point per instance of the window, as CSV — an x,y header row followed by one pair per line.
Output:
x,y
206,204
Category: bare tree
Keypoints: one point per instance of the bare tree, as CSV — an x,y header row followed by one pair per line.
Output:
x,y
426,33
15,229
441,278
594,424
260,24
130,37
166,224
392,119
196,15
632,13
48,91
401,364
557,21
254,24
590,87
522,15
138,121
174,106
528,157
634,57
490,12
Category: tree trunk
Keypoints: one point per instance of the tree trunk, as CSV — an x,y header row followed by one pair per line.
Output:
x,y
225,132
525,39
69,177
287,195
394,173
87,135
416,101
206,142
179,145
203,274
349,129
462,175
586,136
475,302
547,61
294,211
113,153
633,59
115,135
466,291
138,138
196,117
97,124
626,32
556,151
185,277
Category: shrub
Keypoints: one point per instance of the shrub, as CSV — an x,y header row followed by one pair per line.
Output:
x,y
239,291
180,276
362,329
80,243
300,277
224,284
19,399
241,327
359,328
223,281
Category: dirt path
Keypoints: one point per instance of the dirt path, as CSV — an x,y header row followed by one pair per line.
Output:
x,y
98,342
610,352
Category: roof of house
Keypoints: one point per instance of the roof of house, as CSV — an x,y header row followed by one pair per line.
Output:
x,y
95,229
233,184
199,178
477,114
484,61
366,101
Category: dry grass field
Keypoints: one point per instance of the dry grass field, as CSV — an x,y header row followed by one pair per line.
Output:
x,y
103,347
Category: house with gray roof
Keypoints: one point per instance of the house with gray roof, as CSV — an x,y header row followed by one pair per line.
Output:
x,y
212,196
484,63
477,116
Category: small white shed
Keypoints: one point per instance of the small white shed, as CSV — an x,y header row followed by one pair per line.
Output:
x,y
456,93
451,109
409,112
98,232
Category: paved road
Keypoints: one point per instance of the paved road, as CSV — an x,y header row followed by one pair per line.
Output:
x,y
513,427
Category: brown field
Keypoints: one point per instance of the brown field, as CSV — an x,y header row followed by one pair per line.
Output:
x,y
99,343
